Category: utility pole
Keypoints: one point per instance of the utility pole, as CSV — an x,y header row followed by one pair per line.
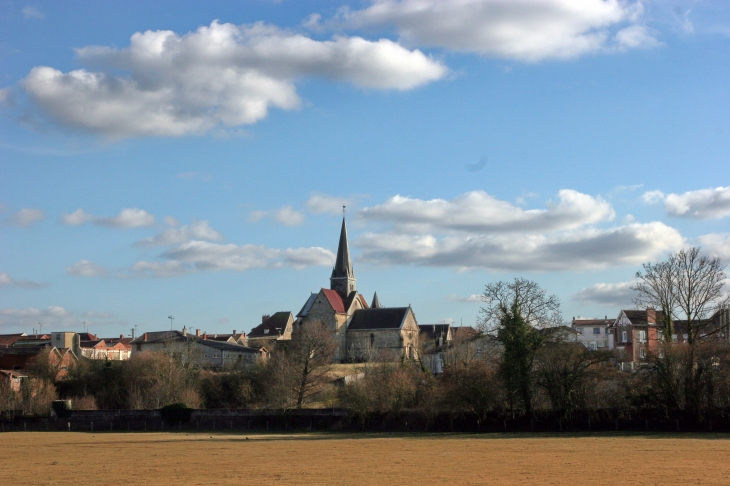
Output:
x,y
40,324
84,323
171,318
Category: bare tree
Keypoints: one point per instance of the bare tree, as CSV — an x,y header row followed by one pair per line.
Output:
x,y
311,351
656,288
537,307
688,286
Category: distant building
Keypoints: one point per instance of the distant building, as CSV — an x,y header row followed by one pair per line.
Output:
x,y
594,334
273,329
198,349
636,334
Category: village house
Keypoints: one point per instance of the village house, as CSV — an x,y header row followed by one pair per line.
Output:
x,y
276,328
12,379
636,335
594,334
198,349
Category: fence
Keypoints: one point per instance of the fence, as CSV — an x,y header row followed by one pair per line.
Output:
x,y
343,420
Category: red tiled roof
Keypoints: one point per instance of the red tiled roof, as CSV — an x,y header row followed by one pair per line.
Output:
x,y
363,302
9,339
335,300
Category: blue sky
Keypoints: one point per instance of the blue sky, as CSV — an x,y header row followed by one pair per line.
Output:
x,y
163,158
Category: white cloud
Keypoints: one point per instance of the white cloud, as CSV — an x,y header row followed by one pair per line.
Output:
x,y
573,250
76,218
636,37
324,203
8,281
26,217
171,221
197,230
4,94
479,212
32,12
127,218
526,30
701,204
85,268
198,256
219,75
285,215
652,197
716,245
608,294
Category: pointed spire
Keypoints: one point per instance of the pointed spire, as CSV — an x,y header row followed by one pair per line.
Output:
x,y
376,302
343,265
343,277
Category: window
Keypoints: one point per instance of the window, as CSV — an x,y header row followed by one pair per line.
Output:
x,y
216,355
372,340
642,336
580,330
266,331
642,352
601,344
624,337
596,330
593,346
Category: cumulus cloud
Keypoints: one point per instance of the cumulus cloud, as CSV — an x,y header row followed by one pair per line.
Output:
x,y
702,204
607,294
26,217
197,230
85,268
8,281
76,218
199,256
560,251
324,203
716,245
127,218
525,30
285,215
165,84
479,212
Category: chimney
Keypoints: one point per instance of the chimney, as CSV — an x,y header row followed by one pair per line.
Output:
x,y
185,331
265,318
205,335
121,336
650,315
144,337
197,332
234,332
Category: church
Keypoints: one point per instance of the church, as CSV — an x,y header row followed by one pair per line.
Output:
x,y
360,330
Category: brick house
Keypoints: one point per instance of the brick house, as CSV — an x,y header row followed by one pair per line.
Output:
x,y
636,334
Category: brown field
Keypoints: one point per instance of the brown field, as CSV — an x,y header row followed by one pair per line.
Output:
x,y
178,458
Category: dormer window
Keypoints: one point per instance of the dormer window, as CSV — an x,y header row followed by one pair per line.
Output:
x,y
266,331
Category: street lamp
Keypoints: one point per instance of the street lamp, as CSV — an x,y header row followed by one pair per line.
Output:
x,y
171,318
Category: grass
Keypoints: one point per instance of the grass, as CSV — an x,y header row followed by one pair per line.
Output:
x,y
221,459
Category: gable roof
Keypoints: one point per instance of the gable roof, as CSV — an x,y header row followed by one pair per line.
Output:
x,y
335,300
9,339
308,305
382,318
591,322
275,325
639,317
158,336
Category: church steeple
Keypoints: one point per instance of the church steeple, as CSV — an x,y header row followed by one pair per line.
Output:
x,y
343,277
376,302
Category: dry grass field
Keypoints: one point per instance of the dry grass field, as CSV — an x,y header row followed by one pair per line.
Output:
x,y
178,458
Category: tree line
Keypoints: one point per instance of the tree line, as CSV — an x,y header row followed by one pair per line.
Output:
x,y
516,366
